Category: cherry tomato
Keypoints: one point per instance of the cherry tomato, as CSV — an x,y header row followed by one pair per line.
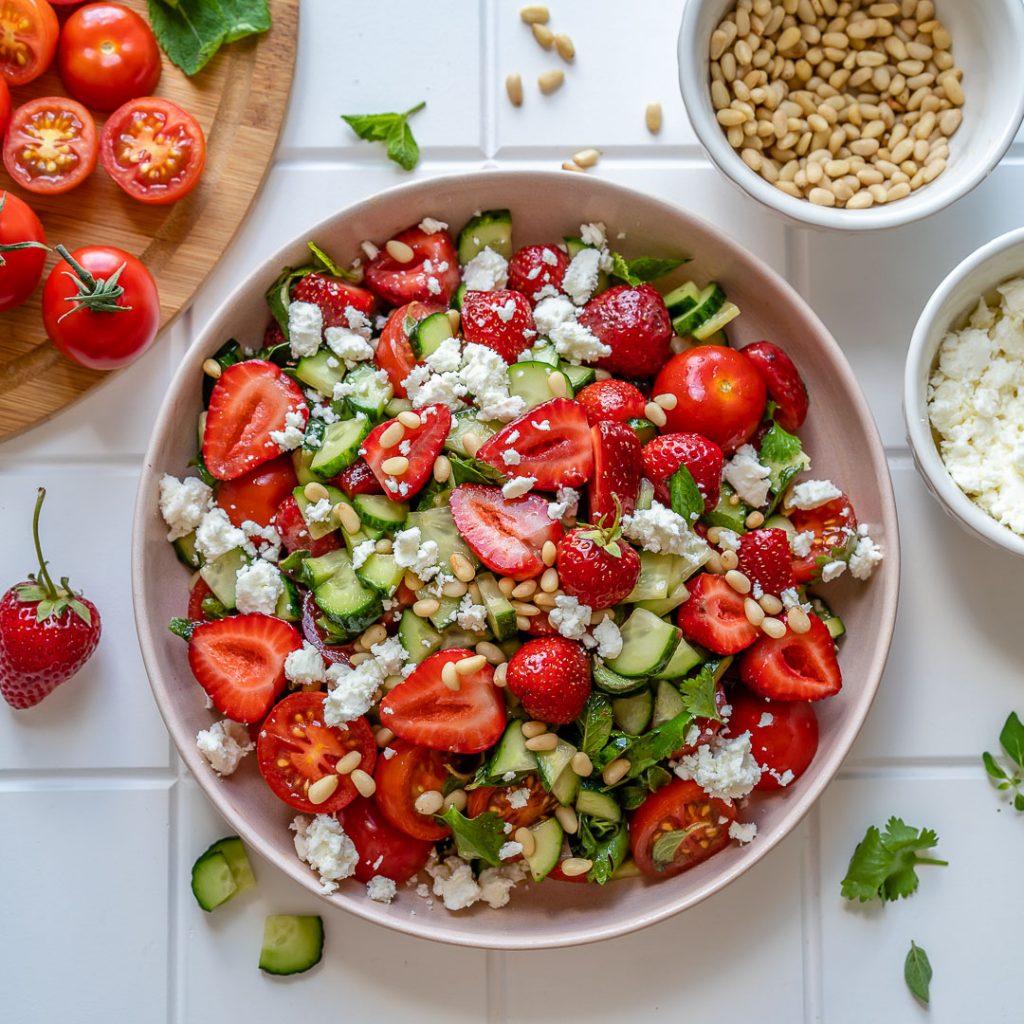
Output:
x,y
257,495
20,268
539,803
402,778
720,395
93,322
834,526
783,735
199,592
677,827
5,105
28,39
394,353
153,149
107,56
50,145
294,749
382,848
783,381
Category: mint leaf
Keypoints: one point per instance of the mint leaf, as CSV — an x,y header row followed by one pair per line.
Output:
x,y
604,843
1011,739
699,692
466,470
643,268
182,627
392,129
192,31
917,972
687,501
244,18
326,263
782,453
883,864
595,724
478,838
992,766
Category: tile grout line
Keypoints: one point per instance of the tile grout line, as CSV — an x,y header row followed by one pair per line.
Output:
x,y
496,1005
810,915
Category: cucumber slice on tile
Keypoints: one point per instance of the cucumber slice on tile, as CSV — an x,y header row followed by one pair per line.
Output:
x,y
185,549
428,334
291,943
491,229
598,805
340,448
501,616
233,851
648,644
551,763
369,395
668,703
321,371
221,574
547,837
579,376
632,714
380,513
531,382
212,881
417,636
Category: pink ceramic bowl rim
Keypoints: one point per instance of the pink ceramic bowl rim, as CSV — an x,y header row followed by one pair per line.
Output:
x,y
507,929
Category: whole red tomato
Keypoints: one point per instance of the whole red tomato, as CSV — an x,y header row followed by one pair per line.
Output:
x,y
22,251
101,307
719,393
107,56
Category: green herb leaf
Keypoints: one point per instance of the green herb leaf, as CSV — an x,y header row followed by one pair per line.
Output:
x,y
1011,739
603,843
182,627
470,471
244,18
643,268
883,864
782,453
699,691
656,778
992,766
687,501
595,724
326,263
478,838
192,31
658,744
392,129
917,972
666,846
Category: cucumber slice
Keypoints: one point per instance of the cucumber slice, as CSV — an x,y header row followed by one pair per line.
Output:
x,y
437,524
447,610
709,302
491,229
185,549
667,703
644,429
833,623
645,497
511,754
611,682
344,600
427,335
460,294
318,570
289,606
233,851
835,626
501,616
684,659
221,574
397,405
455,636
464,423
598,805
627,869
778,522
291,943
212,880
732,515
579,376
676,596
575,245
340,448
368,395
317,371
566,787
318,530
632,714
682,299
648,644
380,512
712,326
380,572
417,636
301,458
530,381
551,763
548,837
544,352
655,575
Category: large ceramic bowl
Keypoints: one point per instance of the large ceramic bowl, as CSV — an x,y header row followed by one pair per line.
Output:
x,y
839,433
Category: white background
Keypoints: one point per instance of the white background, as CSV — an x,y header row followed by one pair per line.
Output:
x,y
99,825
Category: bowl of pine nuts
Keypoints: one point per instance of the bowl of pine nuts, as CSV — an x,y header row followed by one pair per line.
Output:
x,y
853,114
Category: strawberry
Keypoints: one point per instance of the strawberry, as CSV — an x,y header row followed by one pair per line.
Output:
x,y
613,399
200,592
432,275
534,267
273,335
596,566
290,523
419,445
635,324
615,485
797,666
239,662
358,479
766,558
250,400
783,382
713,616
47,633
425,711
551,676
333,296
551,443
703,458
500,320
506,534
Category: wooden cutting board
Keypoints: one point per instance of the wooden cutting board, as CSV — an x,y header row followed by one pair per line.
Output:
x,y
239,98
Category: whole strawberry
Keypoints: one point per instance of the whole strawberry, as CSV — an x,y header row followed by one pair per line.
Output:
x,y
766,559
47,633
596,566
703,458
536,267
500,320
635,324
551,677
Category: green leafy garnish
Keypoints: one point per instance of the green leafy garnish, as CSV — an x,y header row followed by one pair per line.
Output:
x,y
192,31
595,724
603,842
643,268
182,627
466,470
699,691
656,745
478,838
1011,739
687,501
391,129
279,293
883,864
917,972
782,453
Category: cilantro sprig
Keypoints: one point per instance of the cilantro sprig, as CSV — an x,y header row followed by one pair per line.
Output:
x,y
391,129
1011,739
883,864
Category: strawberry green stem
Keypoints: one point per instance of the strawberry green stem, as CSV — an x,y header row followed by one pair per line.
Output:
x,y
98,295
44,576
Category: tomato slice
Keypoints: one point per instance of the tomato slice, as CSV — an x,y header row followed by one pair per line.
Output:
x,y
677,828
382,848
153,149
50,145
295,533
834,526
256,496
401,779
295,749
28,39
394,353
432,275
783,735
539,804
420,446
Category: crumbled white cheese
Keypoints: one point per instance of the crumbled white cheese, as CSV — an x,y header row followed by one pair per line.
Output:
x,y
453,881
429,226
348,345
224,745
216,535
305,328
742,832
352,691
294,431
565,504
578,344
447,357
472,617
318,511
511,457
659,529
518,486
361,552
412,552
496,884
800,543
832,571
370,251
765,720
724,768
552,312
595,234
518,798
258,587
581,276
609,639
509,850
323,844
381,889
866,555
487,271
727,540
389,656
183,503
304,667
570,617
344,388
748,478
265,540
484,374
813,493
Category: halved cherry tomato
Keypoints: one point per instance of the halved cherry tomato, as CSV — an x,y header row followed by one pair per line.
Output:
x,y
153,150
50,145
295,749
719,393
539,803
394,353
20,268
401,779
421,447
834,526
677,827
28,39
382,848
434,260
107,56
257,495
5,105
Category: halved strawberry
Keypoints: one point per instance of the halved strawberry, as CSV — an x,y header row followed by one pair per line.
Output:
x,y
432,275
506,534
394,353
616,400
248,402
798,666
289,522
536,266
239,662
423,710
713,616
703,458
357,479
561,455
419,445
766,559
635,324
616,471
783,382
500,320
333,296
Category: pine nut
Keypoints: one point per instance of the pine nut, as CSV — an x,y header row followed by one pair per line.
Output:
x,y
545,601
359,658
755,520
655,414
653,117
738,582
549,81
468,666
397,465
522,623
574,866
430,801
457,798
771,604
391,682
455,319
615,771
364,783
500,674
582,765
535,14
315,492
523,591
798,620
568,165
714,564
212,368
383,735
462,567
544,36
349,763
548,553
442,469
347,517
376,634
471,443
729,560
450,677
566,50
492,652
514,89
526,839
454,588
548,741
392,435
567,819
586,157
409,419
667,400
506,585
528,610
399,251
557,384
412,581
774,628
534,728
425,607
753,611
549,580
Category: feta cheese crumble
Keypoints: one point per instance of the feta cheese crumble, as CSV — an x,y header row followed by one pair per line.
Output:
x,y
304,667
323,844
570,617
660,529
832,571
318,511
518,486
800,543
361,552
609,639
381,889
581,276
866,555
724,768
742,832
577,344
813,494
471,616
552,312
216,535
183,503
429,226
258,587
305,328
454,882
224,745
412,552
487,271
747,477
294,431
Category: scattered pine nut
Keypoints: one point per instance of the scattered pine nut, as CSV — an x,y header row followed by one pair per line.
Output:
x,y
616,771
558,385
442,469
392,681
461,566
383,546
567,819
375,634
399,251
729,560
656,414
347,516
392,434
534,728
425,607
564,46
455,319
409,419
771,604
450,677
549,580
714,564
568,165
548,82
412,581
492,652
526,839
546,741
544,36
574,866
454,588
774,628
546,601
586,157
652,118
506,585
364,783
523,608
526,589
798,620
522,623
383,735
535,14
322,789
315,492
755,520
471,443
212,368
738,582
514,89
457,798
582,765
397,465
500,673
753,611
349,763
430,801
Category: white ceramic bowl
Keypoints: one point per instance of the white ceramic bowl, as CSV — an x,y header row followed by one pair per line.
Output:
x,y
954,299
839,433
988,38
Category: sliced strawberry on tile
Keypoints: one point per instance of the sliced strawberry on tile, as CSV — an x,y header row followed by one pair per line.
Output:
x,y
535,267
560,456
617,470
713,616
358,479
250,401
766,559
394,353
506,534
432,275
239,662
703,458
333,296
797,666
289,522
419,447
425,711
635,325
501,320
616,400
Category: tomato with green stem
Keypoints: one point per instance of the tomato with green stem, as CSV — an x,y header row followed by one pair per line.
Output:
x,y
100,306
28,39
50,146
22,251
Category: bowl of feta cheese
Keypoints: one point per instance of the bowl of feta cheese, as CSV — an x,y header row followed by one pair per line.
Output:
x,y
962,393
839,434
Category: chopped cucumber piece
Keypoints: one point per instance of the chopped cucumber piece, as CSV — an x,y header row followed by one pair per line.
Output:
x,y
368,395
460,294
545,352
511,754
779,522
648,644
321,371
417,636
684,659
668,703
212,880
397,405
531,382
320,529
501,616
464,423
655,575
682,299
489,230
221,574
632,714
727,513
343,598
833,623
428,334
709,302
437,524
291,943
340,448
233,851
611,682
380,572
318,570
835,626
447,609
455,636
645,497
598,805
185,549
579,376
551,763
566,787
712,326
379,512
548,837
301,458
644,429
289,606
